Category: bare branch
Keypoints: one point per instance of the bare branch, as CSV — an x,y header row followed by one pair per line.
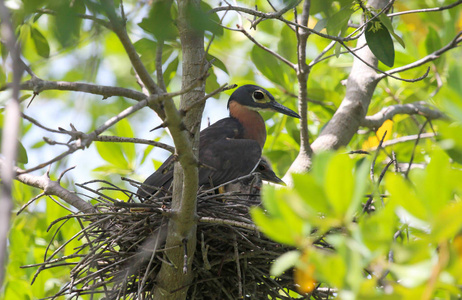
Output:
x,y
51,187
119,139
407,138
275,54
423,10
453,44
417,108
38,85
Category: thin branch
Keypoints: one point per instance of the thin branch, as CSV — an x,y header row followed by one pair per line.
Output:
x,y
275,54
453,44
159,73
38,85
222,88
387,113
383,72
415,146
119,139
407,138
228,222
423,10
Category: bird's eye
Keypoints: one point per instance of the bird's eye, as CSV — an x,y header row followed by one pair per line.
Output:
x,y
257,95
261,168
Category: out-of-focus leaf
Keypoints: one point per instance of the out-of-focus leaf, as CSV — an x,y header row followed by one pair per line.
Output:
x,y
320,25
217,62
284,262
338,21
339,183
66,24
274,228
112,153
271,67
124,129
40,42
379,41
203,21
159,21
287,45
170,71
22,154
432,41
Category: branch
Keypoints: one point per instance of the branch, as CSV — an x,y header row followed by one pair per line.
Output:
x,y
101,22
417,108
275,54
38,85
51,187
407,138
453,44
119,139
433,9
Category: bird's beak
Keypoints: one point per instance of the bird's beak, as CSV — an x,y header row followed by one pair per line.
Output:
x,y
275,106
271,177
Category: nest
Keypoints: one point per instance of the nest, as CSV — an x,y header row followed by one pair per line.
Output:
x,y
117,260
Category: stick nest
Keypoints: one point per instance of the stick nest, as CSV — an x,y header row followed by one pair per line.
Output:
x,y
123,250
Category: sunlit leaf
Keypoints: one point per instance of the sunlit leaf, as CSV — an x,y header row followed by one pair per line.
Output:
x,y
284,262
338,21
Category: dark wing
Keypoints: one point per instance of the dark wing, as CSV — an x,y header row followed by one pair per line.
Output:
x,y
222,148
161,179
229,158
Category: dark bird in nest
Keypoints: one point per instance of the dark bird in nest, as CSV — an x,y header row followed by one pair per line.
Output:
x,y
229,148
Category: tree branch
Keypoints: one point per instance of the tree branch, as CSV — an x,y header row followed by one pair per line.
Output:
x,y
453,44
119,139
51,187
38,85
433,9
387,113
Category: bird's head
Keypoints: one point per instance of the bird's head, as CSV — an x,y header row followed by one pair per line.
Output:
x,y
267,173
257,98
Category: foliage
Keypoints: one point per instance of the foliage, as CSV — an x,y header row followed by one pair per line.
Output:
x,y
408,248
70,41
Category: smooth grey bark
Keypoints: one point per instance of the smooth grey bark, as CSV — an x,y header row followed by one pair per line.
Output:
x,y
360,87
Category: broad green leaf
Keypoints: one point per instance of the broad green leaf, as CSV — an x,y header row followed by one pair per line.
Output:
x,y
447,223
284,262
40,42
170,71
359,189
339,183
66,24
287,45
402,194
274,228
201,20
379,41
432,40
159,21
124,129
338,21
387,23
112,153
271,67
22,154
217,62
311,192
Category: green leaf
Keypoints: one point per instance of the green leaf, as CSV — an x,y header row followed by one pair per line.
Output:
x,y
170,71
201,20
267,64
338,21
274,228
432,41
22,154
379,41
284,262
124,129
217,63
339,183
40,42
387,23
287,45
159,21
66,24
112,153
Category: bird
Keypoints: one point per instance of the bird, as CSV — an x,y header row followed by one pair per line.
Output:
x,y
230,148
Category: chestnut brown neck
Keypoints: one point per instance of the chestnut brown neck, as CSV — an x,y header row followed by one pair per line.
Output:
x,y
252,121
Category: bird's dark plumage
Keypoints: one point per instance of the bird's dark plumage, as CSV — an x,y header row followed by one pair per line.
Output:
x,y
229,148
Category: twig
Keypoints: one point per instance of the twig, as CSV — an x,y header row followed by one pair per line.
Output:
x,y
119,139
413,150
406,138
375,156
423,10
